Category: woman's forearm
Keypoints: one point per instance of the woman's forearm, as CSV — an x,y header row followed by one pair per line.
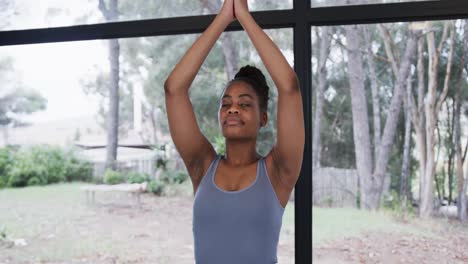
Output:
x,y
185,71
281,72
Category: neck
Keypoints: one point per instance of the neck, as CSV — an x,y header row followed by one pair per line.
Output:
x,y
241,152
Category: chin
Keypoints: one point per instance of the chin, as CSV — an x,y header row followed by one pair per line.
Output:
x,y
229,135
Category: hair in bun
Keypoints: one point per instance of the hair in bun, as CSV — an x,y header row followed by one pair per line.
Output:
x,y
256,79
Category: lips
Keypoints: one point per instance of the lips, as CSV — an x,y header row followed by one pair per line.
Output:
x,y
233,121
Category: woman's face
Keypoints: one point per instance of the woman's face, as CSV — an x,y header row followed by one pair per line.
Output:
x,y
239,112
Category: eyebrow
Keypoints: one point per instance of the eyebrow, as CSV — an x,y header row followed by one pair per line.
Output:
x,y
242,95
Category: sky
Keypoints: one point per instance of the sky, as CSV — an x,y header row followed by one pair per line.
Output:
x,y
55,69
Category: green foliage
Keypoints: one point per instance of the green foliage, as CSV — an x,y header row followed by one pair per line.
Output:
x,y
156,187
41,165
5,163
20,101
401,209
136,177
113,177
161,163
34,181
3,233
220,145
174,177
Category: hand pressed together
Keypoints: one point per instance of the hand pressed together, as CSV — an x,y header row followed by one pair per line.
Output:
x,y
233,9
227,11
241,7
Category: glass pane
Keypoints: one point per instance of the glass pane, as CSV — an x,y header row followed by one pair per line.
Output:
x,y
25,14
57,95
323,3
381,162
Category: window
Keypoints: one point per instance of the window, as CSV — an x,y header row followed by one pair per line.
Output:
x,y
323,3
71,80
21,14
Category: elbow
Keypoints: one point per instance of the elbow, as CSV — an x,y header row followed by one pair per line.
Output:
x,y
167,87
294,81
291,84
173,87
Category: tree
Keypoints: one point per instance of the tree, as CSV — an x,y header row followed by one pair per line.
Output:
x,y
430,102
462,181
18,102
111,14
324,51
404,177
371,176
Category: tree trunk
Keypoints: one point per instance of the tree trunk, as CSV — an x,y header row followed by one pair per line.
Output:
x,y
461,182
407,146
111,14
372,182
419,119
369,187
459,158
374,91
450,149
433,104
325,42
395,106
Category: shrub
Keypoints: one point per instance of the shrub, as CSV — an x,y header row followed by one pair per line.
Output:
x,y
41,165
156,187
3,233
136,177
78,169
3,181
34,181
5,163
161,163
174,177
113,177
26,165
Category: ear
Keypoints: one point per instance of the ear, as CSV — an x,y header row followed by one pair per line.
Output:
x,y
264,119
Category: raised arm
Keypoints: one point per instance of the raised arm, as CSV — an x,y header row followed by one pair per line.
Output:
x,y
193,147
288,151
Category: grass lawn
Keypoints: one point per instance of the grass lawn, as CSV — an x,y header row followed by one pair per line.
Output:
x,y
333,223
60,227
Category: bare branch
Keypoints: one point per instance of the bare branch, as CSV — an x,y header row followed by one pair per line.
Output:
x,y
104,10
444,36
388,49
448,73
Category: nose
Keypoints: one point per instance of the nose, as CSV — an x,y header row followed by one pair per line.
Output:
x,y
233,110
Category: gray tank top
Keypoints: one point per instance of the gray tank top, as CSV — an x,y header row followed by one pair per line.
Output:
x,y
239,226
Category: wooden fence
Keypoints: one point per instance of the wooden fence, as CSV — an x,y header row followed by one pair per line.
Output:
x,y
141,166
334,187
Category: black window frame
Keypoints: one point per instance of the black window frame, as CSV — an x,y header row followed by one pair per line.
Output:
x,y
301,19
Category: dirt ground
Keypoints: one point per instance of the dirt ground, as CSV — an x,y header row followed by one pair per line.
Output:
x,y
58,226
395,248
113,232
